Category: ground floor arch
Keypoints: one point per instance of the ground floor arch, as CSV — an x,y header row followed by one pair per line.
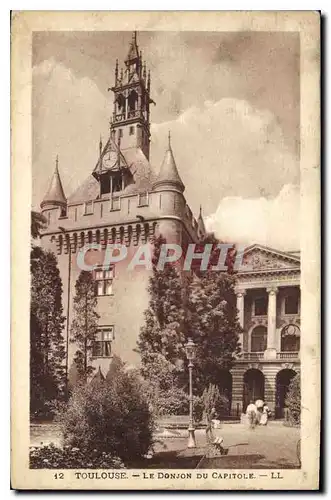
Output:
x,y
253,386
283,380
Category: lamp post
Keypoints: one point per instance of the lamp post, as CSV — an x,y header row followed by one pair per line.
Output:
x,y
190,354
67,235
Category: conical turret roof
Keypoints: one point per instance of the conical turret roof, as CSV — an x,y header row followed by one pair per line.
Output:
x,y
55,194
168,173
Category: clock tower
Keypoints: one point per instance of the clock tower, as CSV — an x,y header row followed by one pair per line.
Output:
x,y
130,125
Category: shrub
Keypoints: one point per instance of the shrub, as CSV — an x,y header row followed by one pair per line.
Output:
x,y
215,405
177,402
172,402
112,417
293,401
51,457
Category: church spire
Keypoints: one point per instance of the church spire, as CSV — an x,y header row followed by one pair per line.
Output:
x,y
168,174
55,196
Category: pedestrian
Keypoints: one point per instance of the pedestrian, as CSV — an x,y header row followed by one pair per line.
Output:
x,y
210,425
251,412
265,415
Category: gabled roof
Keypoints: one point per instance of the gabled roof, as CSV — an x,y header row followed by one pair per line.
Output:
x,y
55,193
136,162
287,255
259,258
168,172
111,158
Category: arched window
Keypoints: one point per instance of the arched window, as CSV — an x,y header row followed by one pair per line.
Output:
x,y
120,101
290,338
259,339
133,100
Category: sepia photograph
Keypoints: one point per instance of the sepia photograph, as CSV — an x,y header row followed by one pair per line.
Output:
x,y
166,312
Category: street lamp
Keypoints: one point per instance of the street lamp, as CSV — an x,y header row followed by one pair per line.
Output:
x,y
190,354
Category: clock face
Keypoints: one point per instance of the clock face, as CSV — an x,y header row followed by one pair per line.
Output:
x,y
291,330
109,160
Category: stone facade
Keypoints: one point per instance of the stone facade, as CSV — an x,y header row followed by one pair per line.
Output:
x,y
268,302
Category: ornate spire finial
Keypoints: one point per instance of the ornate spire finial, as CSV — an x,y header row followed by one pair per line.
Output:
x,y
57,162
149,80
100,145
119,151
169,139
200,213
116,71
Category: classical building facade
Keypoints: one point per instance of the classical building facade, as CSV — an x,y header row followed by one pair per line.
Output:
x,y
125,201
268,302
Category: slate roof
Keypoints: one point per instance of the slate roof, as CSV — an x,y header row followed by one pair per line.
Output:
x,y
168,171
55,193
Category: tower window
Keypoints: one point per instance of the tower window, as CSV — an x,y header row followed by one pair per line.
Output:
x,y
101,346
142,199
115,203
104,281
131,130
132,101
63,212
89,207
120,101
105,183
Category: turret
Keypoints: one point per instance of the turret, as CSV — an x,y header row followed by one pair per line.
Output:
x,y
54,196
168,176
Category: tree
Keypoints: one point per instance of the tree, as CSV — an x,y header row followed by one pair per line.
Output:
x,y
85,323
47,349
162,337
38,223
293,400
213,325
112,417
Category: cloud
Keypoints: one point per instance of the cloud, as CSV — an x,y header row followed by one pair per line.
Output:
x,y
272,222
69,114
225,150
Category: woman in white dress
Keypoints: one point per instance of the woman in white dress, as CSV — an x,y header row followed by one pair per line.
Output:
x,y
265,415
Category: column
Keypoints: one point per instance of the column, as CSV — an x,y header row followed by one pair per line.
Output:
x,y
241,309
271,352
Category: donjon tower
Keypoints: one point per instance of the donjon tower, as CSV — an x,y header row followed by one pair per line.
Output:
x,y
125,200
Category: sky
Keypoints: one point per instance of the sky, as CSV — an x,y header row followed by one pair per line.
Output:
x,y
230,99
